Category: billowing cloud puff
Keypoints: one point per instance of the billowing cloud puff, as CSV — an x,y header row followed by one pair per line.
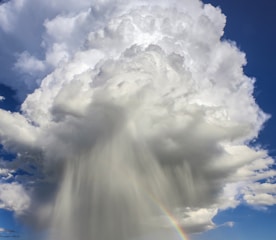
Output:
x,y
134,106
13,197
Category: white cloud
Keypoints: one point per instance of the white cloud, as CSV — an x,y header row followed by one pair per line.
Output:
x,y
16,132
8,233
13,197
139,99
29,64
198,220
262,199
260,194
5,174
8,12
2,98
230,224
4,230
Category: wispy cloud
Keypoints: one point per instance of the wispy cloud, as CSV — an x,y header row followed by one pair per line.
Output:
x,y
8,233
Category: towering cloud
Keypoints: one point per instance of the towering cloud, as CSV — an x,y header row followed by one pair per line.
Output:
x,y
134,106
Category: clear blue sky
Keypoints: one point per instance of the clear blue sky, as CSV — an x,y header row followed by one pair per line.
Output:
x,y
251,24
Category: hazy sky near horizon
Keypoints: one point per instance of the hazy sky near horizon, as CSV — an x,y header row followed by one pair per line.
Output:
x,y
191,86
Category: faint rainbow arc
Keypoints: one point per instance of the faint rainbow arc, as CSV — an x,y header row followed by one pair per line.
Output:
x,y
175,223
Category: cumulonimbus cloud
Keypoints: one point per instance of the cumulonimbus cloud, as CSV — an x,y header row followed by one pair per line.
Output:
x,y
129,99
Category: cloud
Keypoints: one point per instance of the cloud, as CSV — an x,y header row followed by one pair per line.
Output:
x,y
29,64
260,194
2,230
16,131
230,224
8,233
5,174
198,220
132,106
13,197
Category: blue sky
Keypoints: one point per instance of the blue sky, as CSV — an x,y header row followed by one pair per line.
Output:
x,y
251,25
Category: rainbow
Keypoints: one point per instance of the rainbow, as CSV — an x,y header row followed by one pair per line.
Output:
x,y
171,218
174,222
